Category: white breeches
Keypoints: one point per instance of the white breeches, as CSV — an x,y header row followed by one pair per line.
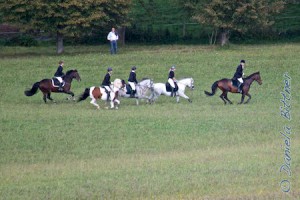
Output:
x,y
107,88
171,82
132,85
240,80
59,79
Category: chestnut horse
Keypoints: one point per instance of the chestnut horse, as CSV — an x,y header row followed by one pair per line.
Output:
x,y
47,87
99,93
226,86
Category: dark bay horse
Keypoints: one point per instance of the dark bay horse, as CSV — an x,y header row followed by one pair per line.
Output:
x,y
226,86
47,87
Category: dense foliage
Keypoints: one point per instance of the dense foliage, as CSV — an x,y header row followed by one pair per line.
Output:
x,y
159,21
65,18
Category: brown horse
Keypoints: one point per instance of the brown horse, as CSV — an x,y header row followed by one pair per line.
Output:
x,y
47,87
226,86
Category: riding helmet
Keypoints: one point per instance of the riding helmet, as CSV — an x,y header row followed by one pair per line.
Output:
x,y
242,61
173,67
109,69
133,68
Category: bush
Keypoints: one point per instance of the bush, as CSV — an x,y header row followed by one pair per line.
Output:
x,y
21,40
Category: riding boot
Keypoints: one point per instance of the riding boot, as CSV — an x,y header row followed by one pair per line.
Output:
x,y
172,92
240,89
132,94
60,87
108,95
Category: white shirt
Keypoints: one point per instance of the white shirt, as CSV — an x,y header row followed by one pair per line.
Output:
x,y
112,36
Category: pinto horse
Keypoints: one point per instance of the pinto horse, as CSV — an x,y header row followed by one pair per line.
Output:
x,y
99,93
47,87
226,86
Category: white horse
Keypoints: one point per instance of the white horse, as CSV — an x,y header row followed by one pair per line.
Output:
x,y
144,90
160,89
99,93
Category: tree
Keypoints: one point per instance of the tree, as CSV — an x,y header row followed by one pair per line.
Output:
x,y
231,15
65,17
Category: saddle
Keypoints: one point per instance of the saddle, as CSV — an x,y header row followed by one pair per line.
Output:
x,y
56,82
235,82
168,87
129,89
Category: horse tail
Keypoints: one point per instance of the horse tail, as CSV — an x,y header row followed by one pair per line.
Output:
x,y
214,87
33,90
84,95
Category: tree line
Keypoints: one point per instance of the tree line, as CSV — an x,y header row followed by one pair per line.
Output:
x,y
215,21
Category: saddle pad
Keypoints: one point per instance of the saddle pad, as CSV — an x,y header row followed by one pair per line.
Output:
x,y
168,87
56,83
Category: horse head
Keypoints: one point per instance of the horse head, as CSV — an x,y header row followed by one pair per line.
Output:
x,y
258,78
255,76
73,74
189,82
118,83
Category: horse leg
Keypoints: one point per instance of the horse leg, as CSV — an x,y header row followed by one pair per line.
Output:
x,y
248,98
49,97
112,104
118,103
70,93
45,97
242,99
94,102
227,98
184,96
222,97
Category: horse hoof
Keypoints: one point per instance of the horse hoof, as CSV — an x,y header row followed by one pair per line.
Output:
x,y
117,108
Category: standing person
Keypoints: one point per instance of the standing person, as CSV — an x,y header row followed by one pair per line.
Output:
x,y
172,80
106,82
132,81
58,75
113,37
238,75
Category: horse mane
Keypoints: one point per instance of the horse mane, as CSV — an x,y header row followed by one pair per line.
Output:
x,y
70,71
255,73
184,78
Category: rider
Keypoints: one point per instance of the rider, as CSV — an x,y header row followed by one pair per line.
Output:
x,y
58,75
172,80
239,75
106,82
132,81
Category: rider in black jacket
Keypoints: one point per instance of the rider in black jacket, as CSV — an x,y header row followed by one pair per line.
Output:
x,y
238,75
58,75
106,82
132,81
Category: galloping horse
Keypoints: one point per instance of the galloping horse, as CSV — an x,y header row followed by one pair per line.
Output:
x,y
144,90
99,93
160,89
47,87
226,86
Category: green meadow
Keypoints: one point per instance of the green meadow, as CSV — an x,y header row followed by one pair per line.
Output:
x,y
167,150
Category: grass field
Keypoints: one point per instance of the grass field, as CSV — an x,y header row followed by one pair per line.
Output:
x,y
168,150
